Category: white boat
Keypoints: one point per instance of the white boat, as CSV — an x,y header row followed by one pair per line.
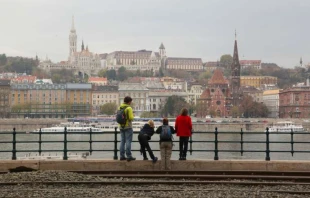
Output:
x,y
285,126
69,129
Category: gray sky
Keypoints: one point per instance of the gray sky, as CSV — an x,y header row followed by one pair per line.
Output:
x,y
270,30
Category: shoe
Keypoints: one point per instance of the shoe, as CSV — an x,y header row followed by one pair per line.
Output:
x,y
131,159
184,158
181,158
155,159
123,158
145,158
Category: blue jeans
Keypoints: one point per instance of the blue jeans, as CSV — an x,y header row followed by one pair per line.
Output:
x,y
126,138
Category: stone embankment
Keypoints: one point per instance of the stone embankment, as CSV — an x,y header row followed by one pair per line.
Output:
x,y
27,124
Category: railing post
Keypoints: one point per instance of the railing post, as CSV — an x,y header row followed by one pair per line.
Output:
x,y
65,157
190,145
241,141
267,145
115,144
14,145
40,141
292,142
216,157
90,141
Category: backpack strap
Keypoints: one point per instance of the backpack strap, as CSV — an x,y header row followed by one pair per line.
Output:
x,y
123,125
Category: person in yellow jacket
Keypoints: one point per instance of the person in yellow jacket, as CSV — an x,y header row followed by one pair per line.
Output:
x,y
126,130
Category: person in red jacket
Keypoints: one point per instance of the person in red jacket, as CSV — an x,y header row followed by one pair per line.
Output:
x,y
183,128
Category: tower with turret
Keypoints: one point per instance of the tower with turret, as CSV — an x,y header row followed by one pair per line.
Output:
x,y
72,39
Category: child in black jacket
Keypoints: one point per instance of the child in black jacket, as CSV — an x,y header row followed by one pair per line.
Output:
x,y
144,136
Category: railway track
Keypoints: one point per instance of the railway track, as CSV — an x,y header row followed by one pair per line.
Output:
x,y
151,182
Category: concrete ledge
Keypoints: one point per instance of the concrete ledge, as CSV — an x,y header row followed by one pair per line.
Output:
x,y
140,165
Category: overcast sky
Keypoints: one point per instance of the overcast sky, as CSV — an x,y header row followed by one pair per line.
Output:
x,y
270,30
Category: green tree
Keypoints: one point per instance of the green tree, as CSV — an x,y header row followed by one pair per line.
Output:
x,y
111,74
108,108
226,60
3,59
173,106
102,73
122,74
235,112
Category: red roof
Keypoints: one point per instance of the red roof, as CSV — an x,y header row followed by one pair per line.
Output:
x,y
99,79
218,78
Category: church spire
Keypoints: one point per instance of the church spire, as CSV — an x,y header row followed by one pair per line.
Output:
x,y
72,25
235,67
82,49
300,62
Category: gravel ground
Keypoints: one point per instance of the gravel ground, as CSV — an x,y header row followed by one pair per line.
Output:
x,y
214,191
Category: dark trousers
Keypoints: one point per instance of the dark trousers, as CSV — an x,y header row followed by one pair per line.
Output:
x,y
144,143
183,146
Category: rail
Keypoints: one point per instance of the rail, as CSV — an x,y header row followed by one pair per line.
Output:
x,y
217,141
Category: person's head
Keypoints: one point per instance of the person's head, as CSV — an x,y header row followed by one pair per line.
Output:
x,y
184,112
165,121
151,123
127,100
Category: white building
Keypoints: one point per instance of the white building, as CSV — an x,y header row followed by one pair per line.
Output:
x,y
271,100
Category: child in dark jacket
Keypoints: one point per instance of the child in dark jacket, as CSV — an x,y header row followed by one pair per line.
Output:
x,y
144,136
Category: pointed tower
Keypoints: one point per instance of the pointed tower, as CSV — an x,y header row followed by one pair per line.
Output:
x,y
235,77
82,47
72,39
300,61
162,51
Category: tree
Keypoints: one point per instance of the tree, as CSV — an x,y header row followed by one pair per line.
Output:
x,y
3,59
111,74
235,112
173,106
226,60
108,108
122,74
102,73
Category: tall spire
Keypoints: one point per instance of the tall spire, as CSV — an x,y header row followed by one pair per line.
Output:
x,y
72,25
300,62
82,49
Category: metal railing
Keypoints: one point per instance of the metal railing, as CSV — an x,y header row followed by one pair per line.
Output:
x,y
216,142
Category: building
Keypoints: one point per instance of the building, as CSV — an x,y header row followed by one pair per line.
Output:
x,y
222,95
258,81
50,100
24,79
98,81
211,66
271,100
174,83
249,64
194,92
43,81
187,64
157,99
81,62
255,93
134,60
5,92
139,94
295,102
102,95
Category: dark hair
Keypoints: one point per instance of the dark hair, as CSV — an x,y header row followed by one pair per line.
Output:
x,y
184,112
165,121
127,99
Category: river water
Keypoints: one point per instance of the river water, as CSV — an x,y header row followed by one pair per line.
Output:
x,y
155,146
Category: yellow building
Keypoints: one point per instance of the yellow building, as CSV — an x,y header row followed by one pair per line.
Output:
x,y
257,81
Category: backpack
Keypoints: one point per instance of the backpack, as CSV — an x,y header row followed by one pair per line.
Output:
x,y
165,133
121,116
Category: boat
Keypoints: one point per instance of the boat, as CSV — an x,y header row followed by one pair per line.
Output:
x,y
69,129
286,126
